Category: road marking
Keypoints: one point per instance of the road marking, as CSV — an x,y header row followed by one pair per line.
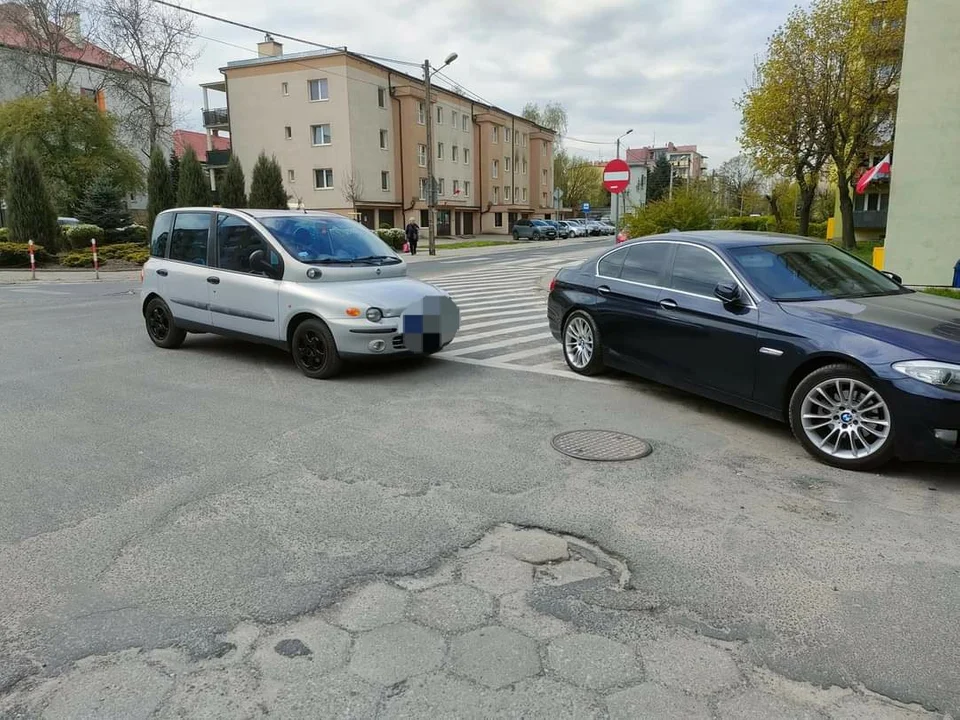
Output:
x,y
35,291
503,301
522,315
542,311
523,354
498,344
493,333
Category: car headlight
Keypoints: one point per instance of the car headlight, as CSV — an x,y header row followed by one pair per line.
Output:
x,y
374,314
940,374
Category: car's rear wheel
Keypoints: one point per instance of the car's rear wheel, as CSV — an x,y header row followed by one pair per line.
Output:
x,y
581,344
840,418
315,351
536,234
161,327
516,236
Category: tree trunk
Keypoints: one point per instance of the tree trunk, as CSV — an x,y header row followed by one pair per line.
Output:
x,y
846,211
807,196
775,209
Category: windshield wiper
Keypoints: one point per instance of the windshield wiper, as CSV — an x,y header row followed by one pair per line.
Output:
x,y
381,258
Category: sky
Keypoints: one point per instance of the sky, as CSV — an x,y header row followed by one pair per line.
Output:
x,y
670,70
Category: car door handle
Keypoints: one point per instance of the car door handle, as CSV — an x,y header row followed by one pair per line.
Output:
x,y
668,304
162,273
213,280
603,290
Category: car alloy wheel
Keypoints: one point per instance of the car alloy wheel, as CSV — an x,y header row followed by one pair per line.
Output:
x,y
315,350
842,419
161,327
581,346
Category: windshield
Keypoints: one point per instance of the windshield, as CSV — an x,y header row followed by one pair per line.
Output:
x,y
810,271
324,239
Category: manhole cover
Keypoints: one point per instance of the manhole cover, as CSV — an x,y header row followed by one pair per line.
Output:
x,y
601,445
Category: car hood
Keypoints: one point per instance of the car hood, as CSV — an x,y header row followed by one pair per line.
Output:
x,y
391,295
925,324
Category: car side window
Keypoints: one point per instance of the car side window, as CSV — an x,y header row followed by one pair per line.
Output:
x,y
236,240
161,235
610,265
698,271
188,241
645,262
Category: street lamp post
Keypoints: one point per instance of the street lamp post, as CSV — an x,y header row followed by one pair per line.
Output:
x,y
431,181
616,199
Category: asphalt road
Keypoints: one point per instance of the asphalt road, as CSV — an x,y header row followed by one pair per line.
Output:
x,y
155,498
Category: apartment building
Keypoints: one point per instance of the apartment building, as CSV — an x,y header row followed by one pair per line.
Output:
x,y
350,136
687,162
924,215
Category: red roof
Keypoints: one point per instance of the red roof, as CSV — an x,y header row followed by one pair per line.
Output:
x,y
182,139
12,36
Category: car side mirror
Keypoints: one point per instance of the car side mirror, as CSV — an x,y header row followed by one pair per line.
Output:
x,y
893,276
258,262
729,293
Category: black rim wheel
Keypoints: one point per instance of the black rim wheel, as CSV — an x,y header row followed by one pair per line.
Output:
x,y
159,323
312,350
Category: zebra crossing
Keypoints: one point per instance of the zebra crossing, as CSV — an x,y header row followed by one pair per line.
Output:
x,y
503,315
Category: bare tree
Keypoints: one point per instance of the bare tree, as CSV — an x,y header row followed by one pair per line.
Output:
x,y
352,187
740,178
46,46
156,42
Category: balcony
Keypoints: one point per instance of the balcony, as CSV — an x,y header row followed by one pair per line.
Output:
x,y
870,219
216,118
218,158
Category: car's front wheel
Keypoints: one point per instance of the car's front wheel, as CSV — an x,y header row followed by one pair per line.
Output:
x,y
516,236
161,328
840,418
315,351
581,344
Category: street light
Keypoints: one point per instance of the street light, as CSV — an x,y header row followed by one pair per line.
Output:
x,y
431,182
616,212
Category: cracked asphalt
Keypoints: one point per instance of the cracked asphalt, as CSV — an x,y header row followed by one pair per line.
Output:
x,y
154,502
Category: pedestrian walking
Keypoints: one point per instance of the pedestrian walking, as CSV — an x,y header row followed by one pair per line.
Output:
x,y
413,235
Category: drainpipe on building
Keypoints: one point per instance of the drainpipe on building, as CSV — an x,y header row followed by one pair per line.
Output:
x,y
403,192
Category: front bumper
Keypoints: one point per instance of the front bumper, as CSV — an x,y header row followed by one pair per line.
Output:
x,y
920,411
354,336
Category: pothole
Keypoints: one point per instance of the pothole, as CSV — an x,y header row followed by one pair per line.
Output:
x,y
601,445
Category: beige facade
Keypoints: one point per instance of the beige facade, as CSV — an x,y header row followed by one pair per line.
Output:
x,y
924,217
351,133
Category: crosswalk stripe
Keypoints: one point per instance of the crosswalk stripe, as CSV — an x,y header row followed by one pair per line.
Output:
x,y
523,354
521,315
478,292
501,313
512,328
504,301
497,344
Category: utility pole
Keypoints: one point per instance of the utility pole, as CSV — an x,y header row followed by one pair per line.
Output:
x,y
431,183
616,199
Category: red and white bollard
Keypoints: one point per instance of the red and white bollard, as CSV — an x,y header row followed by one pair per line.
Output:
x,y
33,262
96,260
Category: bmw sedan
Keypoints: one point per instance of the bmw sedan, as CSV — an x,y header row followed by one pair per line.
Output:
x,y
862,368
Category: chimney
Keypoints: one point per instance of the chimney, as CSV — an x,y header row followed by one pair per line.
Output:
x,y
71,28
269,47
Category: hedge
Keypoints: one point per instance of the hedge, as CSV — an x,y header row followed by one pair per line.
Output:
x,y
817,230
4,234
763,223
394,237
129,252
129,234
79,236
18,254
80,258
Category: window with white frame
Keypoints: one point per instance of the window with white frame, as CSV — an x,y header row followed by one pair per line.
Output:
x,y
424,184
544,176
466,156
506,164
384,180
524,194
464,123
287,132
455,153
498,219
383,139
454,118
320,134
456,187
543,150
291,176
323,178
439,151
441,187
466,188
496,134
439,115
523,166
506,193
496,194
382,97
284,88
543,201
318,89
516,194
422,155
506,135
496,168
421,114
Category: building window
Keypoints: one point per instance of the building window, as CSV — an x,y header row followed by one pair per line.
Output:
x,y
284,88
439,115
506,164
506,135
496,133
439,151
524,194
422,155
383,139
523,166
441,187
464,123
384,180
496,168
543,150
455,153
543,200
498,219
456,187
382,97
421,115
320,134
544,178
454,118
291,176
516,194
423,188
323,179
466,188
288,132
466,156
318,90
88,93
506,193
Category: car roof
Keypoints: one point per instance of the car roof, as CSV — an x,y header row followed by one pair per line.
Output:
x,y
260,213
730,238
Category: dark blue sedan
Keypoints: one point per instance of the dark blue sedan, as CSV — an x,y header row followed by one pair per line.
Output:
x,y
862,368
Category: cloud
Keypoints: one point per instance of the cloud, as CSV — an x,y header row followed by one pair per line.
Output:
x,y
669,68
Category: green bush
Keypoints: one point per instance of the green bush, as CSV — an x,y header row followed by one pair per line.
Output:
x,y
80,236
128,234
944,292
4,235
128,252
688,210
80,258
817,230
18,254
119,251
138,256
394,237
763,223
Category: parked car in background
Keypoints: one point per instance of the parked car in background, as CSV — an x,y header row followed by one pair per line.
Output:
x,y
594,228
608,229
574,229
861,368
66,221
317,284
533,230
562,231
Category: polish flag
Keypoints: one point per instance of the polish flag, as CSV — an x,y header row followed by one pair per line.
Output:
x,y
881,168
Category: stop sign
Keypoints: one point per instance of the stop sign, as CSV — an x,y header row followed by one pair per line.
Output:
x,y
616,176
